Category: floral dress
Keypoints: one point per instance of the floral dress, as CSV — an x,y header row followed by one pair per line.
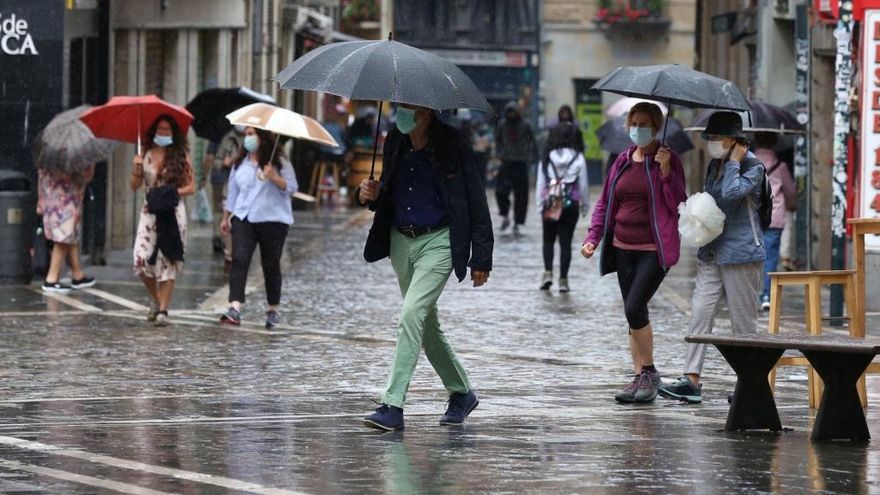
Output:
x,y
145,242
61,197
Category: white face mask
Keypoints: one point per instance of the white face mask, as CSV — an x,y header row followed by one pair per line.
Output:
x,y
716,149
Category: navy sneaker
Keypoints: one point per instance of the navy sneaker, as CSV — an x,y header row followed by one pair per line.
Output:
x,y
388,418
83,283
459,407
684,390
272,318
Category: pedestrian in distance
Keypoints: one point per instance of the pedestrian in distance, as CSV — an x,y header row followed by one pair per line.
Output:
x,y
565,115
258,213
165,171
60,203
432,219
636,222
218,161
563,195
730,267
515,147
784,202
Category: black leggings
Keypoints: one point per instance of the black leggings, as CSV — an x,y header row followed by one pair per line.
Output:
x,y
639,274
564,230
245,237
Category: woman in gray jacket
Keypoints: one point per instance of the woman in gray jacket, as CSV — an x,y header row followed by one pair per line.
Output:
x,y
729,268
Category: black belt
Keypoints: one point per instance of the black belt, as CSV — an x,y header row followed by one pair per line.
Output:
x,y
413,232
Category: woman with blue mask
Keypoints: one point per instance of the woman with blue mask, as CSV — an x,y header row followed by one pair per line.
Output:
x,y
636,221
258,213
165,167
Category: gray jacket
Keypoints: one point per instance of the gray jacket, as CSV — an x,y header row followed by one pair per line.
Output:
x,y
515,141
737,193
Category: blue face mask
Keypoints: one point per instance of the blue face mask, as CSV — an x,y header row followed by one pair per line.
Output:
x,y
641,136
162,141
251,143
406,119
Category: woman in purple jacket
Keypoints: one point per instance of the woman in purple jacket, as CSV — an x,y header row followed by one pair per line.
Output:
x,y
636,220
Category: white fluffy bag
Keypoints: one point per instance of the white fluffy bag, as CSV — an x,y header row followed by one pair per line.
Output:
x,y
700,220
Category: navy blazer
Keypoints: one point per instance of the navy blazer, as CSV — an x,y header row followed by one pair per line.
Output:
x,y
455,170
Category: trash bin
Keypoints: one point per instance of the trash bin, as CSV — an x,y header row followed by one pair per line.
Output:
x,y
18,217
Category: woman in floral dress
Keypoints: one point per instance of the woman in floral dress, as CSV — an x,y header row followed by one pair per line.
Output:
x,y
165,162
60,201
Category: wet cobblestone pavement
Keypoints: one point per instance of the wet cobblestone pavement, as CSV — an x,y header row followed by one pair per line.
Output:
x,y
93,399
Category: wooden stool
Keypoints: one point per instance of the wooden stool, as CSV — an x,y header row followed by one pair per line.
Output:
x,y
318,174
812,283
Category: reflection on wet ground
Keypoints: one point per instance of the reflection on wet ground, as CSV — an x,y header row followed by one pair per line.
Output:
x,y
98,401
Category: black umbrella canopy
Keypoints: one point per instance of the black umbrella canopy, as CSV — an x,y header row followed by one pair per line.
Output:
x,y
210,107
763,117
614,137
674,84
384,70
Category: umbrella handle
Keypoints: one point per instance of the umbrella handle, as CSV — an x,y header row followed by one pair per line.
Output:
x,y
376,141
139,131
666,124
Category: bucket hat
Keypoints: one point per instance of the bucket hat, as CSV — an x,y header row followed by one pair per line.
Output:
x,y
727,124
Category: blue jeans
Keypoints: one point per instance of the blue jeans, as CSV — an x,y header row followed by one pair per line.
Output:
x,y
772,238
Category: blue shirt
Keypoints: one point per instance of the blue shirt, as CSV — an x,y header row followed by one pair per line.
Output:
x,y
417,198
255,200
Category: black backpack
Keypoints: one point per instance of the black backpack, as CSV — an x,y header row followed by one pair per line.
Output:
x,y
765,207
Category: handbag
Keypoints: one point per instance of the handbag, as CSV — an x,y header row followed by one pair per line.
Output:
x,y
41,251
202,212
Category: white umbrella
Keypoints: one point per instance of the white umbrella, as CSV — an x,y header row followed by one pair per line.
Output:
x,y
281,121
622,106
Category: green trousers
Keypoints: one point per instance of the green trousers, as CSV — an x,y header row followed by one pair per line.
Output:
x,y
423,266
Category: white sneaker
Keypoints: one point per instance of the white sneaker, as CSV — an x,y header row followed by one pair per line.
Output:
x,y
765,305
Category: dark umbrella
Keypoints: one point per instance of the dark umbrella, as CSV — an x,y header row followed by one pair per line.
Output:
x,y
674,84
763,117
211,106
385,71
614,138
66,144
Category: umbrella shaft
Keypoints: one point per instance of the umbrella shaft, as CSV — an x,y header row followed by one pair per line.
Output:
x,y
376,141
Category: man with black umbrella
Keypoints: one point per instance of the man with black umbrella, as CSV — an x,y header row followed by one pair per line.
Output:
x,y
431,218
515,146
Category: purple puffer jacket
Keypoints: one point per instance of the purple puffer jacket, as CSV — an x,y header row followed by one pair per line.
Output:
x,y
667,193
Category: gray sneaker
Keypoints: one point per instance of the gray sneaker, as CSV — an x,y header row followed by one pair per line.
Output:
x,y
563,285
272,318
546,280
648,387
628,395
154,310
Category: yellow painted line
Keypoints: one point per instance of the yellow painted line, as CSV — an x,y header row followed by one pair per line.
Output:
x,y
203,478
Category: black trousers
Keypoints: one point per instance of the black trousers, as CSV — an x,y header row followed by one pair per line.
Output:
x,y
513,176
639,274
246,236
562,229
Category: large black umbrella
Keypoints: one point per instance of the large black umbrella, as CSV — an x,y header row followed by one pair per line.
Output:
x,y
763,117
211,106
614,137
385,71
674,84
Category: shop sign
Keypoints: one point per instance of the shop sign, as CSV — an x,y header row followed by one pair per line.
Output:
x,y
870,132
14,36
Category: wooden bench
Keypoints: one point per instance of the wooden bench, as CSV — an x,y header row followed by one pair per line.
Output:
x,y
839,361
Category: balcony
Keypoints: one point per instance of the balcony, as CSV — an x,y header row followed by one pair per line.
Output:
x,y
635,19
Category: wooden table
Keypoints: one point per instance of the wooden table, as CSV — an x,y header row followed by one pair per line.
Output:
x,y
840,361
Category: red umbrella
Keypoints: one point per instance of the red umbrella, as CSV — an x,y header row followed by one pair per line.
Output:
x,y
125,118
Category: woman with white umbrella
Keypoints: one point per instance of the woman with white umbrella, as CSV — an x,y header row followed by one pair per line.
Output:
x,y
258,203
